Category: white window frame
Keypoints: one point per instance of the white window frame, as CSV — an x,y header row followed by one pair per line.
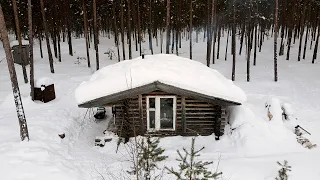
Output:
x,y
157,113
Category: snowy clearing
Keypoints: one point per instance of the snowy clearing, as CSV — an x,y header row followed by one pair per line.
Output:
x,y
248,152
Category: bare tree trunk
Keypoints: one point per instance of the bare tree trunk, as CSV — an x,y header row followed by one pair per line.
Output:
x,y
85,22
30,37
122,30
40,45
214,25
305,44
315,52
95,34
150,27
255,45
69,29
190,28
242,36
275,43
234,42
116,39
168,27
47,36
289,43
129,29
161,40
23,58
14,82
225,57
139,27
209,39
218,48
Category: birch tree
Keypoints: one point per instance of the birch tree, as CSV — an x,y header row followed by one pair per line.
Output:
x,y
24,135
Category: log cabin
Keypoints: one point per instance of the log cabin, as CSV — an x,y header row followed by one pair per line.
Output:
x,y
157,104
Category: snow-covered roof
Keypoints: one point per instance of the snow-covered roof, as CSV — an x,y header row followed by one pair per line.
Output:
x,y
170,70
16,43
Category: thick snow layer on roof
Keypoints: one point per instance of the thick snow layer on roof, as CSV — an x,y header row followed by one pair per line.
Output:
x,y
16,43
169,69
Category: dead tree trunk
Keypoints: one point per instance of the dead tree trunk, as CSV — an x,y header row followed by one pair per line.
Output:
x,y
16,19
85,22
14,82
30,37
95,33
47,36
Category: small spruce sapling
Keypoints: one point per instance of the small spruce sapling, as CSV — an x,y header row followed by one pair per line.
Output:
x,y
190,168
149,154
283,171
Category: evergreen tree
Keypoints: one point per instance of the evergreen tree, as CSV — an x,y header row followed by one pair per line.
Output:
x,y
190,168
283,172
149,154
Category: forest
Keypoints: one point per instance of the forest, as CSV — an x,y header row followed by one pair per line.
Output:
x,y
131,22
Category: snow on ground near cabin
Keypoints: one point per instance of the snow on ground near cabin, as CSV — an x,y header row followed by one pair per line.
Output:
x,y
249,152
168,69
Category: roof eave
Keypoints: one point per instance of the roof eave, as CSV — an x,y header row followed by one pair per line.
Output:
x,y
116,97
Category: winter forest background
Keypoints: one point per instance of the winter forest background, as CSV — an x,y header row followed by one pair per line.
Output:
x,y
245,40
130,22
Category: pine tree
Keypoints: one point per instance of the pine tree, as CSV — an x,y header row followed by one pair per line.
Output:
x,y
191,169
283,172
46,31
30,37
149,154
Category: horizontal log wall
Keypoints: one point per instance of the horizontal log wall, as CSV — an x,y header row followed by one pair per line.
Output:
x,y
201,118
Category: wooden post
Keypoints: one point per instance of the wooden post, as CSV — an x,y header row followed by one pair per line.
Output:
x,y
183,114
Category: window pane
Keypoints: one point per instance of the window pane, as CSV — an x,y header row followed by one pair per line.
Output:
x,y
152,102
152,117
166,113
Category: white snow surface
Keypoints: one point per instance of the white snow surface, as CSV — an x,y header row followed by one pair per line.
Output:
x,y
46,81
249,149
16,43
168,69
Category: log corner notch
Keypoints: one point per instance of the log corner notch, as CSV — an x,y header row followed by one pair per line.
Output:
x,y
221,123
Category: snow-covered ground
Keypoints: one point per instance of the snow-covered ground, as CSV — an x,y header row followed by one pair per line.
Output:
x,y
249,152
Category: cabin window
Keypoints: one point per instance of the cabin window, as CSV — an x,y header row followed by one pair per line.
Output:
x,y
161,113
